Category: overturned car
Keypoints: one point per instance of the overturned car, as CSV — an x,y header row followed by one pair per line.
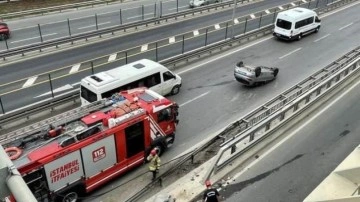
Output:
x,y
251,75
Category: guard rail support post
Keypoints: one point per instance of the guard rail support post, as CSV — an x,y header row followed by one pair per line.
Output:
x,y
156,51
51,86
206,36
2,107
274,14
309,4
68,21
226,30
92,67
245,25
120,17
288,7
183,44
155,11
160,9
126,57
252,135
177,6
96,22
41,38
7,46
142,11
317,3
260,20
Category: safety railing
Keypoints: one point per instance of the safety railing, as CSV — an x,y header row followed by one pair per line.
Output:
x,y
255,127
42,11
10,116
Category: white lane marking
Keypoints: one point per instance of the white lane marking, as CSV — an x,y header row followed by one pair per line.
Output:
x,y
322,38
196,32
112,57
75,68
346,26
30,81
94,25
144,47
60,89
296,130
267,11
290,53
217,26
195,98
179,7
225,55
32,38
252,16
236,21
340,9
293,4
281,8
172,39
304,1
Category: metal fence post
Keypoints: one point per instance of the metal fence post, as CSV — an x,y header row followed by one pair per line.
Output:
x,y
69,26
156,51
309,4
317,3
96,22
260,20
2,106
183,44
245,25
155,10
51,87
92,67
7,45
206,36
120,17
177,6
226,30
41,38
160,9
126,57
142,11
274,14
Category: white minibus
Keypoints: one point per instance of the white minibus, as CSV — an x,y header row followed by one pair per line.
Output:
x,y
141,73
295,23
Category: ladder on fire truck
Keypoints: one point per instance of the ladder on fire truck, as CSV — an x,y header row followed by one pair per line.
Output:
x,y
55,121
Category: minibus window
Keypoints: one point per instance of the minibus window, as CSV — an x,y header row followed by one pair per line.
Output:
x,y
283,24
168,75
87,94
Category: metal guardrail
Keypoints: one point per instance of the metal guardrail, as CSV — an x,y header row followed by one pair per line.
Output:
x,y
111,30
42,11
296,102
74,95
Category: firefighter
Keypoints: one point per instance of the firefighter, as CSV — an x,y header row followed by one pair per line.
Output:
x,y
154,162
210,194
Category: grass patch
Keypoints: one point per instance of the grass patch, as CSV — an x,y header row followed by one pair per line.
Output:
x,y
22,5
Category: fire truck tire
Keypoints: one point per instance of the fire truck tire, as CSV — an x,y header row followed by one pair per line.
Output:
x,y
70,197
13,152
160,144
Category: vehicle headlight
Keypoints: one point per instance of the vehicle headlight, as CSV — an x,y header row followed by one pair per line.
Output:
x,y
237,69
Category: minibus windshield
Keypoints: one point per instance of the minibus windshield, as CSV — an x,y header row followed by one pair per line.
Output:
x,y
283,24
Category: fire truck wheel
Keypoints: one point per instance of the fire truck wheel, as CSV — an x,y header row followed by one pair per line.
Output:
x,y
159,144
175,90
70,197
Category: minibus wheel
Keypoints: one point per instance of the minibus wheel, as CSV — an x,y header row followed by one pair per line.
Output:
x,y
175,90
299,37
317,29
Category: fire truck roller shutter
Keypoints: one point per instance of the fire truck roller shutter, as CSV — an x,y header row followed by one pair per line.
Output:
x,y
99,156
64,170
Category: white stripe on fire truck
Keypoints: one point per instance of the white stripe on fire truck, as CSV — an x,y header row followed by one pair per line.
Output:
x,y
30,81
107,177
74,68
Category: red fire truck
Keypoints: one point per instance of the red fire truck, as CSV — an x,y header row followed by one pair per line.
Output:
x,y
77,154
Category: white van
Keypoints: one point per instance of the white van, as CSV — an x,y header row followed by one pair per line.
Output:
x,y
295,23
141,73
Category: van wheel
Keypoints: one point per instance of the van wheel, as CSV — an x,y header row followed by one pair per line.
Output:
x,y
70,197
175,90
317,29
276,71
299,37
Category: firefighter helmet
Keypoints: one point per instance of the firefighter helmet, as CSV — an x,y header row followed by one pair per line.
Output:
x,y
153,152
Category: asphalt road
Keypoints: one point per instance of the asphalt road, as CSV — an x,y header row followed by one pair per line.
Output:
x,y
40,65
210,98
50,27
292,170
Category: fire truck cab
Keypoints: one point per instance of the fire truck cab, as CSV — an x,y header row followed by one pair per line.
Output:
x,y
72,159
